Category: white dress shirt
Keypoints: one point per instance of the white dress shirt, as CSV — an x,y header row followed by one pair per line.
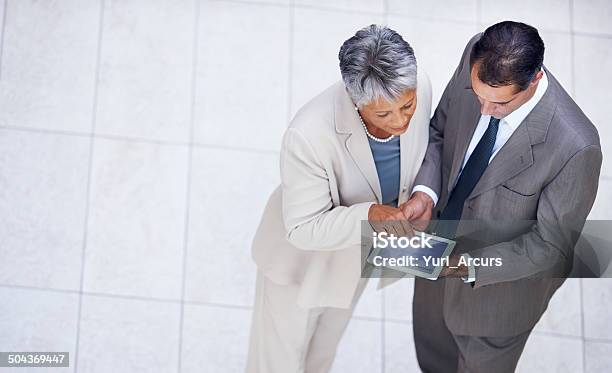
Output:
x,y
507,126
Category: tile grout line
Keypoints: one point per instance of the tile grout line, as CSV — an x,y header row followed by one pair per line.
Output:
x,y
290,59
572,49
573,94
196,42
125,296
139,140
398,321
599,340
557,335
383,332
292,3
277,4
583,337
345,11
236,148
595,35
88,187
2,28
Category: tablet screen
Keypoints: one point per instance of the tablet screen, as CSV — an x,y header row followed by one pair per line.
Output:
x,y
420,261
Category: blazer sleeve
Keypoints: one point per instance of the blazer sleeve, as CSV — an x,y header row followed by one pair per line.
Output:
x,y
311,220
430,173
562,211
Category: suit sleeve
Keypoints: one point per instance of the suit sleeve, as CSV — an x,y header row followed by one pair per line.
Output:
x,y
563,207
430,173
311,220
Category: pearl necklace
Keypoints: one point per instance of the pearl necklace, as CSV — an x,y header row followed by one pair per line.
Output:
x,y
377,139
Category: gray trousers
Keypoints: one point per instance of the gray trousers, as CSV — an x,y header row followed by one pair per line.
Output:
x,y
440,351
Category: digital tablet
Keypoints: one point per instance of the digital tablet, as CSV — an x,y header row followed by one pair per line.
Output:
x,y
427,260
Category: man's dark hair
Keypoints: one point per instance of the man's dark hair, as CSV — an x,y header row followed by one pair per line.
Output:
x,y
508,53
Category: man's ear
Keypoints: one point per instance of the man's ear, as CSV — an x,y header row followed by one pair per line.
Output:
x,y
537,77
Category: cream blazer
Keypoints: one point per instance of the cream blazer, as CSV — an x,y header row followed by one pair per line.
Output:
x,y
310,232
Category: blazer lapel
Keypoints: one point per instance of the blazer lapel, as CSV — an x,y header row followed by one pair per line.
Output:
x,y
359,149
410,142
514,157
347,122
405,146
469,119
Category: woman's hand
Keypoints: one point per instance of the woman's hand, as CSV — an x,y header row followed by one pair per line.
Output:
x,y
389,219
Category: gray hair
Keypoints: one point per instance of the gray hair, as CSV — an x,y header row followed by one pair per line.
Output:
x,y
377,63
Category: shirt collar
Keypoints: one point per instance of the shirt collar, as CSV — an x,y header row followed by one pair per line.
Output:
x,y
515,118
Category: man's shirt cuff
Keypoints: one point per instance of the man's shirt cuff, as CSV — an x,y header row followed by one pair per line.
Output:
x,y
471,270
427,190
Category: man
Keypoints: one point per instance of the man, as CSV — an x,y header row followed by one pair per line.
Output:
x,y
506,143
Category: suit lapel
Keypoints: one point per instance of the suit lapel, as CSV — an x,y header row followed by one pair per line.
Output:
x,y
408,142
470,118
514,157
347,122
359,149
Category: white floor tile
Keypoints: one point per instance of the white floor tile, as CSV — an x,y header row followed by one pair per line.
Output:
x,y
592,58
602,208
370,303
43,179
146,69
136,223
545,353
598,356
48,64
400,353
128,335
593,16
458,10
215,339
556,57
35,320
375,6
563,315
398,300
360,348
229,190
242,75
544,14
597,302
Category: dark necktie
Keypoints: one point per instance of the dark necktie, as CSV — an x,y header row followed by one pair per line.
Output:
x,y
473,170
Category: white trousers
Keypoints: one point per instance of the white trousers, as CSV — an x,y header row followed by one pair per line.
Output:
x,y
286,338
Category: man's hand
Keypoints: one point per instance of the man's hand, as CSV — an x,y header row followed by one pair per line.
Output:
x,y
389,219
454,269
418,210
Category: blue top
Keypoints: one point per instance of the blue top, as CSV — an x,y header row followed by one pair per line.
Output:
x,y
387,160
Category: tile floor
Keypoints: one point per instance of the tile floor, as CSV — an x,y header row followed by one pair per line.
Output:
x,y
136,136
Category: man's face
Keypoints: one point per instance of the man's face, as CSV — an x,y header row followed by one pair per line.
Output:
x,y
501,101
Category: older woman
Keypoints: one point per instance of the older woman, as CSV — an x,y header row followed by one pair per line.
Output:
x,y
349,155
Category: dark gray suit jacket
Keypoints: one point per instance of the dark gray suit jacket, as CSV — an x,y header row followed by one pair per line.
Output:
x,y
539,188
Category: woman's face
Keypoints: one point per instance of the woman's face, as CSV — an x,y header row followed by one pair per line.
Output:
x,y
385,118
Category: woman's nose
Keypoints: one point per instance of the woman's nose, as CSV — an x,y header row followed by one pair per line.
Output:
x,y
401,120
